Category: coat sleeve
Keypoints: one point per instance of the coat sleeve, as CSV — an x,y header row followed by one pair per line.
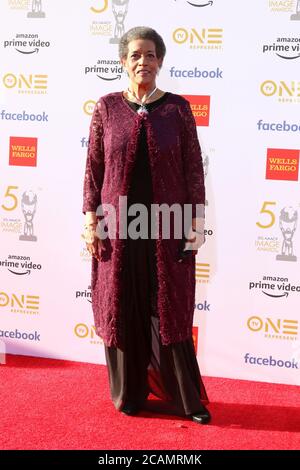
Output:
x,y
192,161
94,168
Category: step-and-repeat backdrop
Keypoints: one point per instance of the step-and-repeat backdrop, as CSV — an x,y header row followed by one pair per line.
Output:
x,y
238,65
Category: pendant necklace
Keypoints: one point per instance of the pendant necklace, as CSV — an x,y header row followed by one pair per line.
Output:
x,y
142,109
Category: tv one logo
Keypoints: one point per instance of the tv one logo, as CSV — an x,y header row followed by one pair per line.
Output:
x,y
273,327
203,37
281,89
83,331
88,107
28,302
32,83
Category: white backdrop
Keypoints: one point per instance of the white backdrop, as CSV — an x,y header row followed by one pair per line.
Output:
x,y
57,59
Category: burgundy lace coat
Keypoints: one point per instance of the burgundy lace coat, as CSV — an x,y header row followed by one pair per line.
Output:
x,y
177,177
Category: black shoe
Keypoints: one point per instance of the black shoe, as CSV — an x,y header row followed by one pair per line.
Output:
x,y
201,417
130,409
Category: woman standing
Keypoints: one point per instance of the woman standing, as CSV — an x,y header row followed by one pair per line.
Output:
x,y
143,145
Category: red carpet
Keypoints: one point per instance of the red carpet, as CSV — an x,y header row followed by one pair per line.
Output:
x,y
52,404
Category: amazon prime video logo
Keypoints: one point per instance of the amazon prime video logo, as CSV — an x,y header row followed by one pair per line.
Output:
x,y
276,287
105,69
284,47
26,44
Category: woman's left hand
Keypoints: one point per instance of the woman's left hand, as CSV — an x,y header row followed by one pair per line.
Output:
x,y
195,242
196,236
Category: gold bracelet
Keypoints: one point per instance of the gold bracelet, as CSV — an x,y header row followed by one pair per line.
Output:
x,y
91,224
89,236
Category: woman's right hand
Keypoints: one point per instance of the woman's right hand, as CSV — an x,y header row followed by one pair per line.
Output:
x,y
93,243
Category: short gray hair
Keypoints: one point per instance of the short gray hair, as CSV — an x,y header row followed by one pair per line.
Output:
x,y
142,32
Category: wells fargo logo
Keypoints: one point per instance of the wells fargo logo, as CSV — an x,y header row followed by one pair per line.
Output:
x,y
31,84
274,328
286,92
23,303
23,151
202,38
100,6
200,106
282,164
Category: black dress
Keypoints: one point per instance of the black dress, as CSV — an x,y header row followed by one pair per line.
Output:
x,y
146,366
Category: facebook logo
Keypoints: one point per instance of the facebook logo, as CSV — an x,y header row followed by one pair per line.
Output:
x,y
7,116
270,362
203,306
84,142
20,335
196,73
277,126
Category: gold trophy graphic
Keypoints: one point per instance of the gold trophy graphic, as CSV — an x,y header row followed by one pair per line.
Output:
x,y
288,224
36,10
28,203
120,8
296,16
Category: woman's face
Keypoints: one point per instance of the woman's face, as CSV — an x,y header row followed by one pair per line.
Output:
x,y
142,63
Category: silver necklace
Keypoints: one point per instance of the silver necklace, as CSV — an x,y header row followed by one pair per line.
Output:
x,y
142,109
